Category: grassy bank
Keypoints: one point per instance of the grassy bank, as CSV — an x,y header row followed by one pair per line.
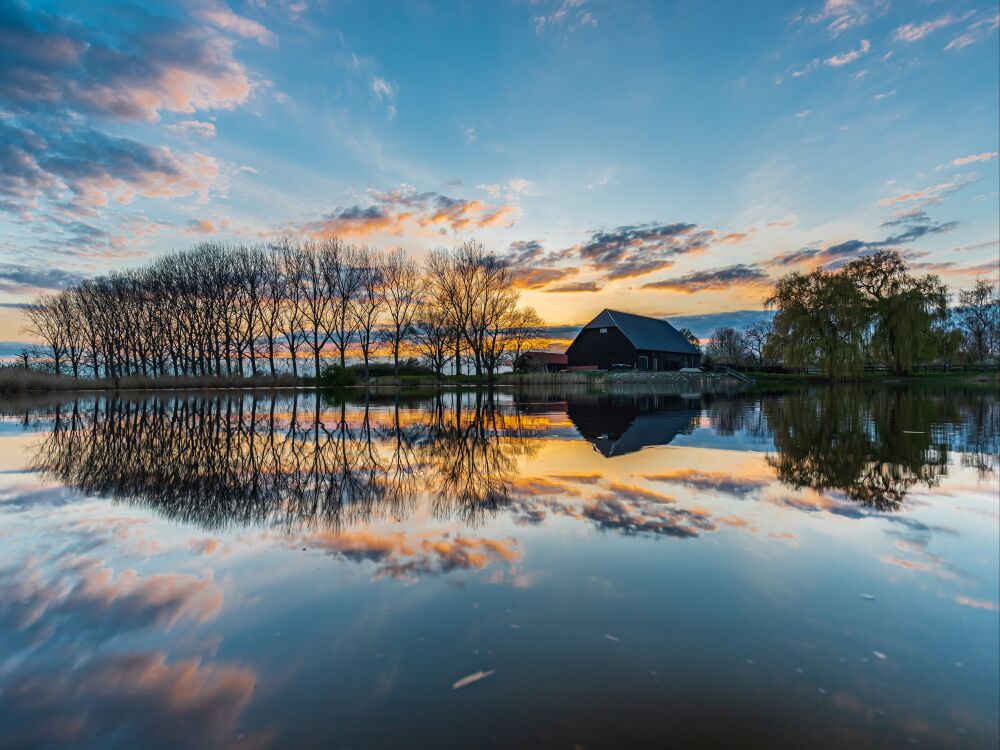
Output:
x,y
954,377
19,380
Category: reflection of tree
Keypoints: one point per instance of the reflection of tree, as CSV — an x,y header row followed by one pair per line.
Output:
x,y
472,453
292,460
873,446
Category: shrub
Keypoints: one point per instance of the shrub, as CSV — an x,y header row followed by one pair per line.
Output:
x,y
334,376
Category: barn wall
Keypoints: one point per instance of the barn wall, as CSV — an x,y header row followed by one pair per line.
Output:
x,y
592,347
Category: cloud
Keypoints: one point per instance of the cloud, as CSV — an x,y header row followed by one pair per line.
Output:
x,y
193,127
62,78
637,250
848,57
912,32
703,325
397,211
525,252
510,190
17,279
224,18
537,278
839,16
985,156
713,279
979,29
89,168
205,226
579,286
930,195
172,65
915,225
565,13
385,92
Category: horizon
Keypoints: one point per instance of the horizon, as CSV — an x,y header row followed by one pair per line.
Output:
x,y
654,159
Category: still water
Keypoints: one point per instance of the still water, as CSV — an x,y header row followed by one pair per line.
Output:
x,y
803,569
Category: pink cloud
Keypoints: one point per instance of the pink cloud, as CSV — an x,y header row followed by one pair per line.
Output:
x,y
848,57
224,18
985,156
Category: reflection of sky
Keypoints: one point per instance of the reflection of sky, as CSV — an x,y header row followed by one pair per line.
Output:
x,y
680,581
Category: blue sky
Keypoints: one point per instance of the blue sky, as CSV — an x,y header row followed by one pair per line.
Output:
x,y
667,158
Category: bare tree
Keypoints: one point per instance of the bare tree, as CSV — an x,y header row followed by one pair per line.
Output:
x,y
369,300
434,336
403,292
979,319
342,272
756,337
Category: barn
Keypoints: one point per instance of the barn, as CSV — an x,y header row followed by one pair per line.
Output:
x,y
540,362
616,339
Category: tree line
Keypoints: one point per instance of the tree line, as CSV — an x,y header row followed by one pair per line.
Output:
x,y
872,311
221,310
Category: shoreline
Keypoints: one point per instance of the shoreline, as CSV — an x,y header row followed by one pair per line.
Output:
x,y
45,383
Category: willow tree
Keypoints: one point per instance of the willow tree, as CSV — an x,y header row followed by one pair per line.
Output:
x,y
818,322
902,310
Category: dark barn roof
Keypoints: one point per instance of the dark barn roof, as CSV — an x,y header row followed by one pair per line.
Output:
x,y
645,333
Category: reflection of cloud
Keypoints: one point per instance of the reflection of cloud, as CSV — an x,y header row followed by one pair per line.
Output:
x,y
402,555
635,510
710,480
812,502
139,698
91,596
985,604
133,601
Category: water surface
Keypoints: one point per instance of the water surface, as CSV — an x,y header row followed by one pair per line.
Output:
x,y
812,568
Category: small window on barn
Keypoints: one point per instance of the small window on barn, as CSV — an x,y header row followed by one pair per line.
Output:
x,y
604,330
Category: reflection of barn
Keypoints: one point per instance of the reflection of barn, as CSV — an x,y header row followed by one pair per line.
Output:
x,y
624,424
540,362
617,339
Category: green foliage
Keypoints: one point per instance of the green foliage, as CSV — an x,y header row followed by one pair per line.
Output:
x,y
819,322
902,310
334,376
873,309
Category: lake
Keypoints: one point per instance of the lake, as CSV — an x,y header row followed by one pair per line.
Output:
x,y
812,568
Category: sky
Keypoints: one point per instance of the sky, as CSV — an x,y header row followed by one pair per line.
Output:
x,y
665,158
